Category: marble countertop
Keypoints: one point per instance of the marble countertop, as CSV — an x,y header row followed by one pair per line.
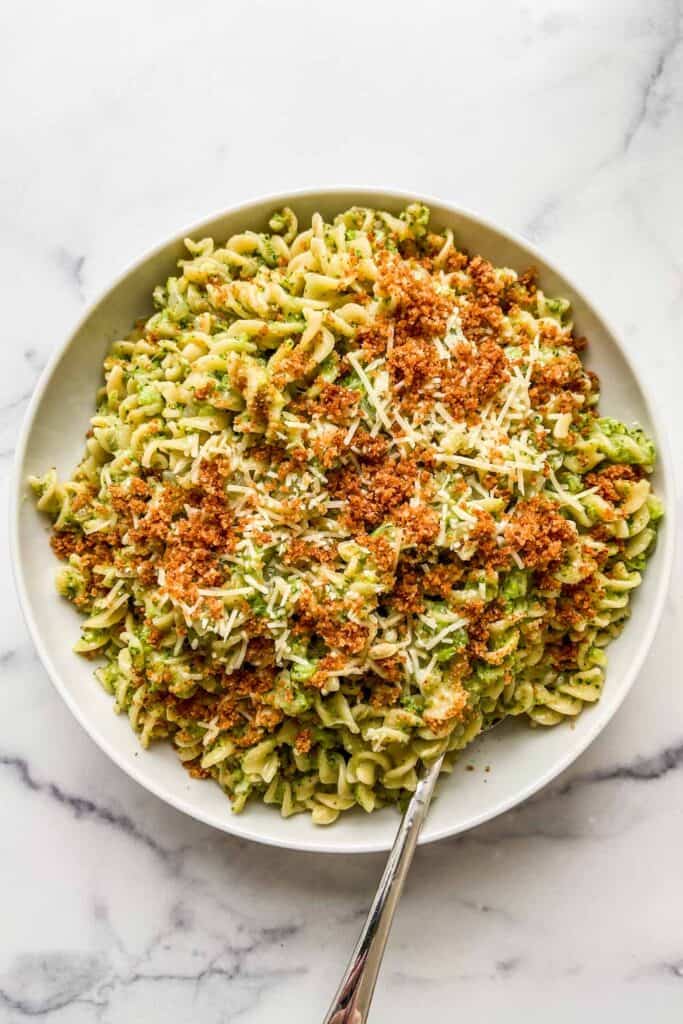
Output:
x,y
562,120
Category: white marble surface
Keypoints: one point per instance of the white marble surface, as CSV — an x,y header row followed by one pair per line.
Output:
x,y
123,121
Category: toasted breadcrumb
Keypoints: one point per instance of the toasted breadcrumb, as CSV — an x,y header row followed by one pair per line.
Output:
x,y
539,534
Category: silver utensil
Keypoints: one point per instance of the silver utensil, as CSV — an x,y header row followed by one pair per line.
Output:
x,y
351,1004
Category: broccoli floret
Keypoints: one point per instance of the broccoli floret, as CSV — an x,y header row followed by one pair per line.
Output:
x,y
515,585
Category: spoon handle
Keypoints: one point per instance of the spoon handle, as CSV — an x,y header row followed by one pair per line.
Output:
x,y
351,1004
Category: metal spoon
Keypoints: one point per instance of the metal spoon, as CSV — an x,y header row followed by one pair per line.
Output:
x,y
351,1004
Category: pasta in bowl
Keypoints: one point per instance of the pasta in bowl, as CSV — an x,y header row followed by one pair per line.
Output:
x,y
348,499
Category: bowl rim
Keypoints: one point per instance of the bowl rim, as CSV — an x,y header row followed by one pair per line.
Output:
x,y
238,825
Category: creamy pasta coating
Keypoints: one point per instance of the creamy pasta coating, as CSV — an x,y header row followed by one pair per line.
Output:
x,y
347,500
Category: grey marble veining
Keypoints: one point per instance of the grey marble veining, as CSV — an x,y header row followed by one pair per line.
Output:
x,y
563,120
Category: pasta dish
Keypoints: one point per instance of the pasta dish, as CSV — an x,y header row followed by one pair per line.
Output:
x,y
347,499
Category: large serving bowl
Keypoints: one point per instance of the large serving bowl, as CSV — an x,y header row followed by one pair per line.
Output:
x,y
521,760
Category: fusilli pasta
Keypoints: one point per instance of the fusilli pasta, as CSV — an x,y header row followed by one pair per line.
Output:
x,y
346,500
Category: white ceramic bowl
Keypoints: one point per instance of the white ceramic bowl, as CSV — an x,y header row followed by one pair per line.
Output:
x,y
521,760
